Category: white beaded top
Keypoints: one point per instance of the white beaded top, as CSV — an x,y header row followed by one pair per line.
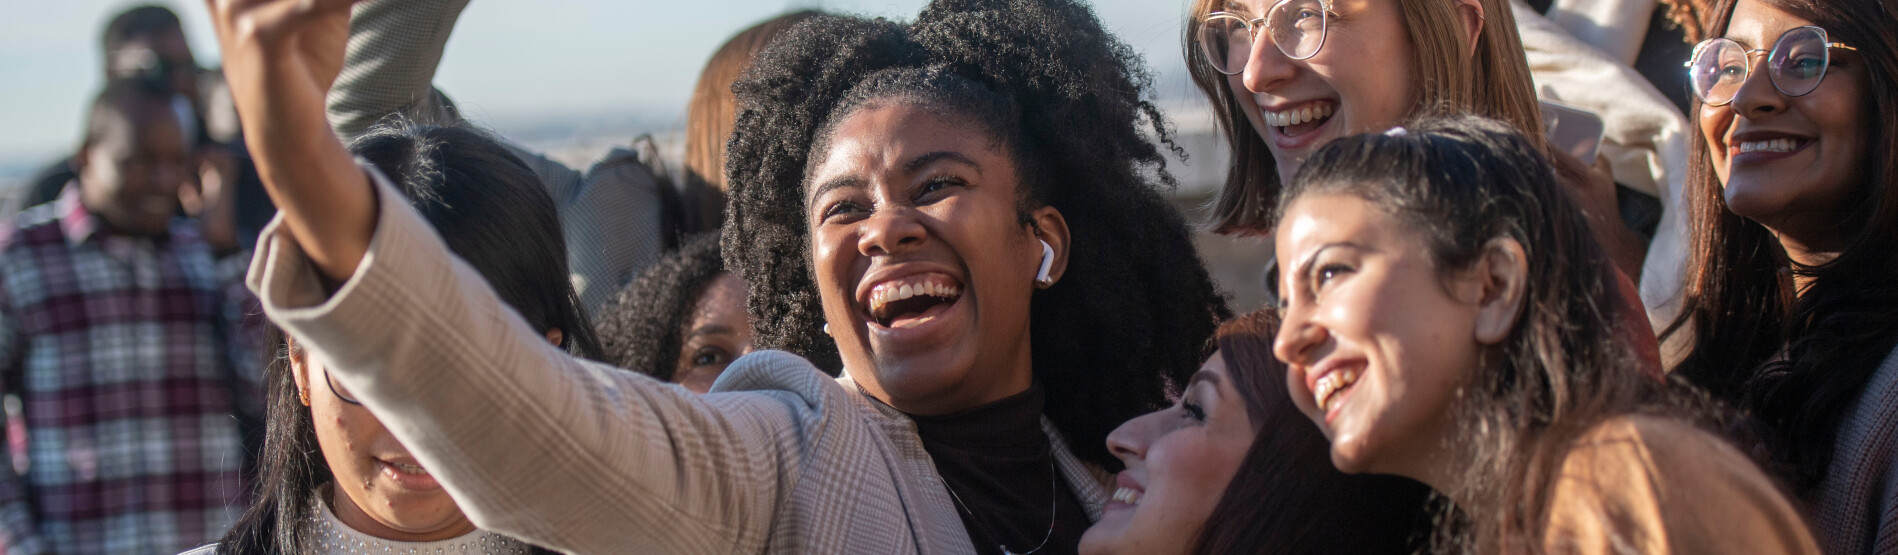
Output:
x,y
326,535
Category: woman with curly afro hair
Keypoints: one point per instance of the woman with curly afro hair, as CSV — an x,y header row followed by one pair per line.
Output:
x,y
922,192
682,321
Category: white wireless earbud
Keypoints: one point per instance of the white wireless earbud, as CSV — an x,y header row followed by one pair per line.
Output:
x,y
1042,279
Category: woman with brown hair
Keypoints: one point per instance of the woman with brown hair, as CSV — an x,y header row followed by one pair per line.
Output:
x,y
1792,305
1235,446
1286,77
1444,322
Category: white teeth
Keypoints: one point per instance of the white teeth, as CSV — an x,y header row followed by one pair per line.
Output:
x,y
886,294
1774,145
1127,495
1330,385
1297,116
409,468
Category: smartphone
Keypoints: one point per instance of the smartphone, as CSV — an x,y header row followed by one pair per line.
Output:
x,y
1572,130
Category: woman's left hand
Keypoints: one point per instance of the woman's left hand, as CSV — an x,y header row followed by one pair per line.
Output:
x,y
1593,190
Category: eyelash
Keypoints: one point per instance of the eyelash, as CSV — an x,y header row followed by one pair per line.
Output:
x,y
1193,411
1325,274
944,182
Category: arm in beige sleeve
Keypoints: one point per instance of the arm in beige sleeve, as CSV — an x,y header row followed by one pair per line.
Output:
x,y
530,441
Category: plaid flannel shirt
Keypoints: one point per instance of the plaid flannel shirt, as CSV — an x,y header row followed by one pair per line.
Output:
x,y
119,349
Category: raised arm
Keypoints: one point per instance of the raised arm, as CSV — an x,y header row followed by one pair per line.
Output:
x,y
280,57
529,441
394,49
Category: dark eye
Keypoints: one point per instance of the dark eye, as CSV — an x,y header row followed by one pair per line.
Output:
x,y
935,186
1193,410
844,208
709,356
1805,67
1325,274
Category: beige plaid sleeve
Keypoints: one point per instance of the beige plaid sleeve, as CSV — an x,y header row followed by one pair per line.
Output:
x,y
530,441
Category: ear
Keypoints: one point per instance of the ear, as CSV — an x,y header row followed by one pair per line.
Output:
x,y
555,336
1503,273
1470,12
1050,226
299,371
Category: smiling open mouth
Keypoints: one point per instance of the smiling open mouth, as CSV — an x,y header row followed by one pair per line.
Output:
x,y
909,302
1300,120
1330,386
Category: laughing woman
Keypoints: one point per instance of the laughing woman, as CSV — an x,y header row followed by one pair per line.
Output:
x,y
1442,323
923,192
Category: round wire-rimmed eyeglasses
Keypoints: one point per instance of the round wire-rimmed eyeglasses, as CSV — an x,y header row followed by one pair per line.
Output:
x,y
1796,64
1297,28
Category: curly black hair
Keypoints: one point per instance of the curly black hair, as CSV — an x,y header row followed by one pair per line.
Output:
x,y
1125,326
641,328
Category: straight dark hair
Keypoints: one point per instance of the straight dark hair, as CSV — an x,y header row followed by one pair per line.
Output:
x,y
1795,360
1459,182
1287,497
492,212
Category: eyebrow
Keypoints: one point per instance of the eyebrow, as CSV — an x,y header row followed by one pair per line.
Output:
x,y
926,159
846,182
714,329
1203,376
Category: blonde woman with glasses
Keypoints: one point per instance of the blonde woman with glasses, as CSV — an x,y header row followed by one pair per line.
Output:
x,y
1286,77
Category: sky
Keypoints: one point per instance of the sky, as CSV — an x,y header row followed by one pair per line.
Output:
x,y
511,64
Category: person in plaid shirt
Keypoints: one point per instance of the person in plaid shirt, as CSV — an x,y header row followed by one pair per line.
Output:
x,y
114,332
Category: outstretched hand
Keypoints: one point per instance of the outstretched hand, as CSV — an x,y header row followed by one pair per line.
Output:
x,y
280,58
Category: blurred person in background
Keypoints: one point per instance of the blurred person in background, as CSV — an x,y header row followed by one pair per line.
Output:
x,y
619,216
115,331
147,44
682,321
708,122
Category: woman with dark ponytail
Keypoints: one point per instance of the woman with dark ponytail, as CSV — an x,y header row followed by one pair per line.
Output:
x,y
962,215
332,478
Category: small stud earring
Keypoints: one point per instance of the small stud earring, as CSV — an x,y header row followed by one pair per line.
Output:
x,y
1042,279
304,395
826,329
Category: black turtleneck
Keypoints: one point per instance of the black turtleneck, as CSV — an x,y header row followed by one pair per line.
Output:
x,y
997,460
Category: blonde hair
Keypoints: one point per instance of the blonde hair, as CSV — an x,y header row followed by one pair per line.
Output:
x,y
1494,82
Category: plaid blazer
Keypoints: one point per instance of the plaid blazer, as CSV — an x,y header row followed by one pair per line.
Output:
x,y
582,457
612,213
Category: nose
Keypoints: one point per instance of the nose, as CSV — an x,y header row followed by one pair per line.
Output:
x,y
891,231
1266,67
1129,442
1298,338
1757,95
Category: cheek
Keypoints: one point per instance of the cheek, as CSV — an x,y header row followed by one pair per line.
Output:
x,y
1714,123
1189,470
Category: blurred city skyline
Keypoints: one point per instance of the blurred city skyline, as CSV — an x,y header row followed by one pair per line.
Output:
x,y
555,75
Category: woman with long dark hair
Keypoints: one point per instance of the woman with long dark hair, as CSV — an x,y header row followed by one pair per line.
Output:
x,y
332,478
1791,313
907,199
1233,468
1443,322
